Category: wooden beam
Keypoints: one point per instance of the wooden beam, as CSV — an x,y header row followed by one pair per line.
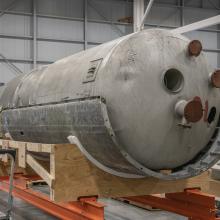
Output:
x,y
40,170
71,175
75,176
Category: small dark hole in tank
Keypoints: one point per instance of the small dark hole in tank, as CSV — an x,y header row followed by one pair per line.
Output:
x,y
21,133
212,114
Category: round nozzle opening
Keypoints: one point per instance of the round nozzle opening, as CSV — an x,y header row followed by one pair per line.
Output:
x,y
173,80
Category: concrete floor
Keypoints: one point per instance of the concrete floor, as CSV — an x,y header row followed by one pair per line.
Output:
x,y
23,210
114,210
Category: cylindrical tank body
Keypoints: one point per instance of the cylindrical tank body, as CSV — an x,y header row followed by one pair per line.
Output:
x,y
139,79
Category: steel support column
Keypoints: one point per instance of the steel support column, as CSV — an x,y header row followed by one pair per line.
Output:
x,y
34,34
218,41
182,19
85,23
146,13
138,14
218,45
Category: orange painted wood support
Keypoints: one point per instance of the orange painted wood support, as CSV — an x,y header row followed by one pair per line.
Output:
x,y
83,209
191,203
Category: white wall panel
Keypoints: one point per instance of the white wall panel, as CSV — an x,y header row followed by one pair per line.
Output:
x,y
72,8
193,15
126,29
210,4
52,51
15,48
164,16
165,2
212,59
64,29
15,24
194,3
19,5
108,10
24,67
106,32
6,73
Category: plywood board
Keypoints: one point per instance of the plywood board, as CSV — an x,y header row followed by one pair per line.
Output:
x,y
71,175
78,177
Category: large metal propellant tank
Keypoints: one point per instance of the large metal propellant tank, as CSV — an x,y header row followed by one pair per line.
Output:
x,y
134,106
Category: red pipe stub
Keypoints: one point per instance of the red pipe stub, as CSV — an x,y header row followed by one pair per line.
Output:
x,y
193,111
194,48
215,79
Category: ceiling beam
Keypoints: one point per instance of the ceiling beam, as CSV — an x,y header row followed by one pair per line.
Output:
x,y
146,13
138,14
7,8
198,25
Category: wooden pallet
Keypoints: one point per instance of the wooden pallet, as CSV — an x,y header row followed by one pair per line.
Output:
x,y
70,175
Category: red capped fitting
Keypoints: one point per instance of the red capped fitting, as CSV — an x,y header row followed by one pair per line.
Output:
x,y
215,79
194,48
191,110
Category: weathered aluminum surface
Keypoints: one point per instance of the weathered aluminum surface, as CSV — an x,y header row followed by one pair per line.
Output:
x,y
83,119
128,74
88,121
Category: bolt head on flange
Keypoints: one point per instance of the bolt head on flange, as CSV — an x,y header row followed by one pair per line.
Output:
x,y
194,48
215,79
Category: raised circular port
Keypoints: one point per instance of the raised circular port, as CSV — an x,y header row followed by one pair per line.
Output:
x,y
173,80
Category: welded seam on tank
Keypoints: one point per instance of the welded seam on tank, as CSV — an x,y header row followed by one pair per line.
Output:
x,y
55,103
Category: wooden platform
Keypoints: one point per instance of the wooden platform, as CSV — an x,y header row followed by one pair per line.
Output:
x,y
70,175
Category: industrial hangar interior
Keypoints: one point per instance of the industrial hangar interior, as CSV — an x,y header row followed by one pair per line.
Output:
x,y
110,109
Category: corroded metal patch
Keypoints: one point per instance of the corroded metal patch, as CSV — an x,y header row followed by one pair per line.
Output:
x,y
215,79
194,48
193,110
